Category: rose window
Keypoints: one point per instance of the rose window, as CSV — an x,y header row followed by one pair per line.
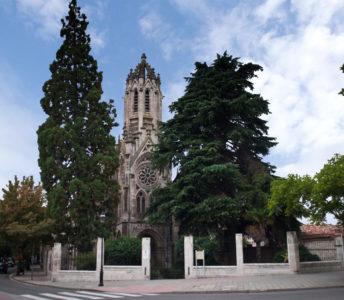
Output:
x,y
146,175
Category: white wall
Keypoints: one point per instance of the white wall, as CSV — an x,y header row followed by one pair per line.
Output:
x,y
294,265
110,272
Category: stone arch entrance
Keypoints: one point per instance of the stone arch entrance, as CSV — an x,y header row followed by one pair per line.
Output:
x,y
157,248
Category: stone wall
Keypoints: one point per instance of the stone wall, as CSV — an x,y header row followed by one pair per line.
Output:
x,y
73,275
141,272
335,264
246,269
324,248
123,272
320,266
266,269
241,268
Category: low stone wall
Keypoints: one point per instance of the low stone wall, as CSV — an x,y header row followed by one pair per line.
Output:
x,y
109,272
325,248
214,271
72,275
320,266
124,273
266,269
246,269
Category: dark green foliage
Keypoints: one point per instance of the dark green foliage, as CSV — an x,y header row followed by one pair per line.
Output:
x,y
77,154
211,247
216,139
281,256
123,251
210,244
305,255
5,248
175,272
86,261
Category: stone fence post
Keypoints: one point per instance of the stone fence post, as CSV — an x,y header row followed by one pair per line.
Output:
x,y
146,257
293,251
49,263
188,257
99,255
340,249
239,252
56,257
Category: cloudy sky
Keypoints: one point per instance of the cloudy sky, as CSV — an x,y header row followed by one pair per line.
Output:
x,y
300,44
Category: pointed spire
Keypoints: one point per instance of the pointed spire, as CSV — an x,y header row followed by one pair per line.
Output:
x,y
143,70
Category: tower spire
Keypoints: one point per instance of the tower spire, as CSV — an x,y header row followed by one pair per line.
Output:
x,y
143,70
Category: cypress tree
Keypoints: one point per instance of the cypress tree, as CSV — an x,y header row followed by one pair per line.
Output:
x,y
77,154
216,139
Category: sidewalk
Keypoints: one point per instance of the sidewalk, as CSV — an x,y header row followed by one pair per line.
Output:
x,y
224,284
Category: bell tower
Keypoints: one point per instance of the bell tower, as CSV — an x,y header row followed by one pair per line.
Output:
x,y
142,103
137,177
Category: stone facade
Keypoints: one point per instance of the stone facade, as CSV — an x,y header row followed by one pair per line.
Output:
x,y
137,178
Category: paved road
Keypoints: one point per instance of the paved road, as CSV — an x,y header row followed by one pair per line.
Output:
x,y
12,290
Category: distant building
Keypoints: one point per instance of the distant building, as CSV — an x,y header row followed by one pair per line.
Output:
x,y
137,178
320,239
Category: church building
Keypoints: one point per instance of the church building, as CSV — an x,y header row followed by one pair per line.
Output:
x,y
137,178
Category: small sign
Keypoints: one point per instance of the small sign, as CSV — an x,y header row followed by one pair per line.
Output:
x,y
199,255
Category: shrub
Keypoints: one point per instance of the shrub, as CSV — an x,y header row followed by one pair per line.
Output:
x,y
123,251
305,255
210,244
211,247
86,261
281,256
168,273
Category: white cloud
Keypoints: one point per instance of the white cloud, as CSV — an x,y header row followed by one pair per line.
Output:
x,y
271,9
153,27
300,44
44,16
18,125
97,38
174,90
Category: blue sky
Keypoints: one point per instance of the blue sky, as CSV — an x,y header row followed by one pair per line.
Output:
x,y
300,44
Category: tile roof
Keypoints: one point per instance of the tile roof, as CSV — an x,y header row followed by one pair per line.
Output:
x,y
321,230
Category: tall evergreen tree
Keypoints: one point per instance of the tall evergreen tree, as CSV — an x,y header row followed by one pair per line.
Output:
x,y
216,139
77,154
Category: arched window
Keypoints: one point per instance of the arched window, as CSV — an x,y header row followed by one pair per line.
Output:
x,y
125,199
140,203
136,101
147,100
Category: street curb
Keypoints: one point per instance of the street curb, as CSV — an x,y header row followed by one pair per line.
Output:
x,y
257,291
12,277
